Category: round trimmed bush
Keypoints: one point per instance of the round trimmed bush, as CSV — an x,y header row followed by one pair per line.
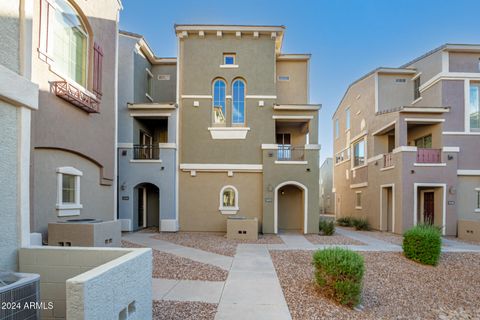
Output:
x,y
339,272
423,244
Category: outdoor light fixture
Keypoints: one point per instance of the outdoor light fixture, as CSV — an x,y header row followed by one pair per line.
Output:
x,y
450,157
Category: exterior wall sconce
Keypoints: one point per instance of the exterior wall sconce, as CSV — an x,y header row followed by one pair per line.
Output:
x,y
261,103
124,153
412,171
196,104
308,169
450,157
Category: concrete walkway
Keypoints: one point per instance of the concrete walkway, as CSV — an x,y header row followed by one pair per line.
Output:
x,y
144,238
187,290
252,289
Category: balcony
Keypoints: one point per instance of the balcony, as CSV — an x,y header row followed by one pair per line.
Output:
x,y
428,155
290,153
146,152
388,160
70,93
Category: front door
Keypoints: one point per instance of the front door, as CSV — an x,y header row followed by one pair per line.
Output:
x,y
142,207
428,207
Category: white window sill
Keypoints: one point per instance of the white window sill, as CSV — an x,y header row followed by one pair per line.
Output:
x,y
358,208
228,210
67,210
387,168
477,211
429,164
290,162
229,66
146,161
228,132
359,167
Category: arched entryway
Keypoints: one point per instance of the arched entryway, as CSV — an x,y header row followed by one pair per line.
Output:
x,y
146,205
291,207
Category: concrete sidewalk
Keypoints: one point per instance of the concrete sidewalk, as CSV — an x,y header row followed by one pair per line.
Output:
x,y
187,290
252,289
144,238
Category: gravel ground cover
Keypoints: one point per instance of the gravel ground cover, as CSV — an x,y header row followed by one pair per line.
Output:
x,y
215,242
394,287
333,239
176,310
169,266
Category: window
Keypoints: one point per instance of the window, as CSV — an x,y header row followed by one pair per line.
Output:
x,y
416,88
424,142
238,103
149,84
70,42
68,191
219,110
229,58
477,199
337,129
283,78
358,200
474,107
359,153
347,119
228,200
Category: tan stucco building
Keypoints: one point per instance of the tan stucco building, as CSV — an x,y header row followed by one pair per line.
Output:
x,y
406,144
247,135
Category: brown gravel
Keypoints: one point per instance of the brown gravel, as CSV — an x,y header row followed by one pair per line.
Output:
x,y
215,242
333,239
394,287
169,266
176,310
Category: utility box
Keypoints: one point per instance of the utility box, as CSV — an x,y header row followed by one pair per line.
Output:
x,y
242,228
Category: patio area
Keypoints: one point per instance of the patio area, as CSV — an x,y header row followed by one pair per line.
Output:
x,y
206,276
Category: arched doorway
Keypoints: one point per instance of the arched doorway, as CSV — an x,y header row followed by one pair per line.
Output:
x,y
291,207
146,211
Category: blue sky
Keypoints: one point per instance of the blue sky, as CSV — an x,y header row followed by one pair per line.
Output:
x,y
346,38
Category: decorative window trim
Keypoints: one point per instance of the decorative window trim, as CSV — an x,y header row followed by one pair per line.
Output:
x,y
357,206
68,209
229,55
228,210
232,97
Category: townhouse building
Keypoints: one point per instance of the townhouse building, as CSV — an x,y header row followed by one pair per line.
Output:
x,y
247,134
406,144
74,49
327,197
147,124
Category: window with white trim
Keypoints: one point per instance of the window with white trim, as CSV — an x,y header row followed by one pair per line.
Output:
x,y
358,200
238,102
229,58
474,107
477,199
359,153
219,104
68,191
228,200
149,88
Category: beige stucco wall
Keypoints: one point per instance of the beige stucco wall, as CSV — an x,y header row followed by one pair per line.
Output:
x,y
200,199
464,61
393,94
295,90
467,202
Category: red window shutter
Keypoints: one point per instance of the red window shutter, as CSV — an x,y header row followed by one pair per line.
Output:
x,y
97,69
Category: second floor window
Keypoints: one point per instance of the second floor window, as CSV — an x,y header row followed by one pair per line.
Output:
x,y
70,43
347,119
416,88
359,153
219,105
474,107
229,58
238,103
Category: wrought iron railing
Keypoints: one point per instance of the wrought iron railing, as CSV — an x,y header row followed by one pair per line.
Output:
x,y
425,155
289,153
146,152
75,96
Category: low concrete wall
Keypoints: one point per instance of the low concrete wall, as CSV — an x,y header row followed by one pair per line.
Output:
x,y
91,283
469,230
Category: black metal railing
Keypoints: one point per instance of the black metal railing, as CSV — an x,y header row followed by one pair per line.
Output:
x,y
146,152
289,153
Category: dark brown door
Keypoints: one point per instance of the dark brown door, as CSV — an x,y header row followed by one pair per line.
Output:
x,y
428,207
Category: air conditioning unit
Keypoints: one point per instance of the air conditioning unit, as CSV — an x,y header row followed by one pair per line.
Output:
x,y
19,296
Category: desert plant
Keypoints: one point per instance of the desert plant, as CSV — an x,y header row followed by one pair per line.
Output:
x,y
423,244
339,273
361,224
327,227
345,222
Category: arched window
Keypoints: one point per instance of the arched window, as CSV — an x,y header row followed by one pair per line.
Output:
x,y
219,109
238,105
228,200
70,40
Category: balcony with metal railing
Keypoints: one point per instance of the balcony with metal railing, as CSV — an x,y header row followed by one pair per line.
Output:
x,y
290,153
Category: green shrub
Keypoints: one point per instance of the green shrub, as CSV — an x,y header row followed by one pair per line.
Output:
x,y
339,273
327,227
345,222
361,224
423,244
